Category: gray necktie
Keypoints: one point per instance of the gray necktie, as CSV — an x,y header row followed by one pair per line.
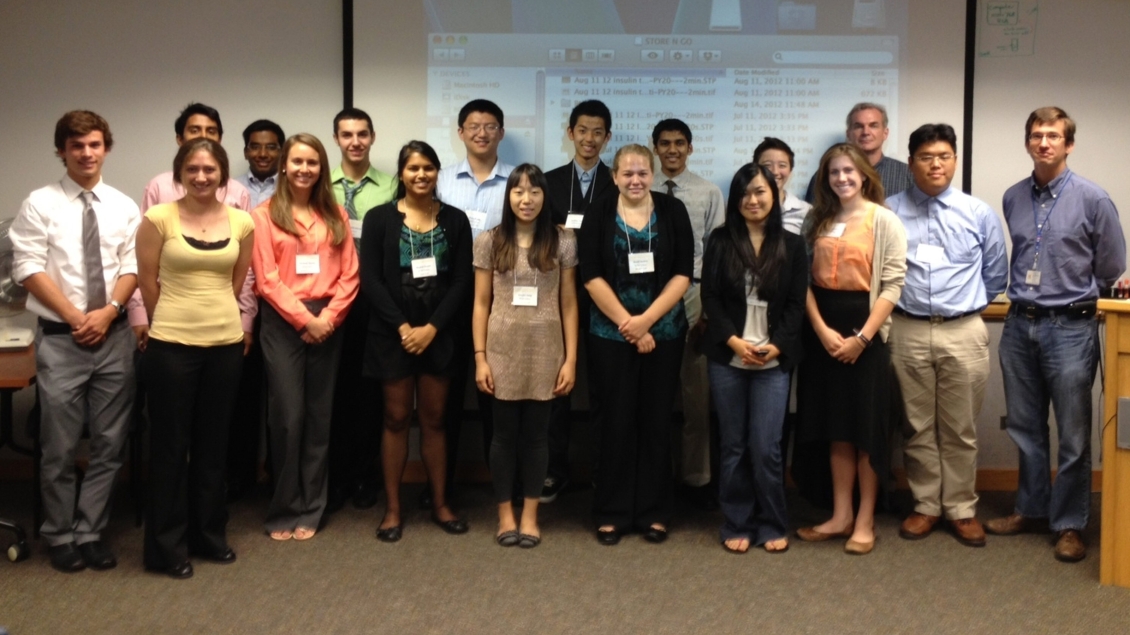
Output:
x,y
670,187
350,192
92,256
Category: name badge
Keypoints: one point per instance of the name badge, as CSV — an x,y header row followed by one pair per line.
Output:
x,y
1032,278
355,227
478,220
930,254
525,296
424,267
307,264
837,230
573,220
641,263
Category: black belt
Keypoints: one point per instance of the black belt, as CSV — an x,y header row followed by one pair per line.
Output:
x,y
1083,309
935,319
51,327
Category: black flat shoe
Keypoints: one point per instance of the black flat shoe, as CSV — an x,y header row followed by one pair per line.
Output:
x,y
66,558
97,555
608,537
655,535
508,538
365,496
528,541
182,571
223,556
456,526
390,534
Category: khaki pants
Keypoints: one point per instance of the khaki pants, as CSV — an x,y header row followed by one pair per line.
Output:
x,y
942,369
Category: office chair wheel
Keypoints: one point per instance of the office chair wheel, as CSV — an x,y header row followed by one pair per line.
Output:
x,y
18,552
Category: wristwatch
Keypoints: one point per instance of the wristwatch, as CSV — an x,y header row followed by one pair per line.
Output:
x,y
118,306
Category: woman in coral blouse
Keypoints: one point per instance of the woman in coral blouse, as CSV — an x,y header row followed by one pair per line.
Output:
x,y
306,274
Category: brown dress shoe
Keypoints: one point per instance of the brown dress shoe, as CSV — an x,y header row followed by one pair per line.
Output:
x,y
1015,524
918,526
809,534
968,532
1069,547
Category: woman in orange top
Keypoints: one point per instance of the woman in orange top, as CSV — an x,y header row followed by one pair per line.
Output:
x,y
306,273
847,394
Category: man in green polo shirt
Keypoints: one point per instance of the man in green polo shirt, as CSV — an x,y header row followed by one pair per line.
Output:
x,y
356,425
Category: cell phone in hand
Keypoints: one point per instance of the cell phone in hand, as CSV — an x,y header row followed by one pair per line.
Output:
x,y
761,352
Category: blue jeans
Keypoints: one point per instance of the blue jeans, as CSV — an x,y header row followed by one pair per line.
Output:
x,y
1051,359
751,408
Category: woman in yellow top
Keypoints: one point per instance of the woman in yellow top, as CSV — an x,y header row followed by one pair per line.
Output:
x,y
847,393
192,258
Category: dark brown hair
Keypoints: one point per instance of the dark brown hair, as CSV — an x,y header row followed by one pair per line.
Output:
x,y
322,201
79,123
191,147
1045,115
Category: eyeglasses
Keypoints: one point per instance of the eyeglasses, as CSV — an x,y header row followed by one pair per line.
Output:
x,y
928,159
474,128
1052,137
270,147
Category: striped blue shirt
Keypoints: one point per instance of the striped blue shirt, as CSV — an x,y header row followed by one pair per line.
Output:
x,y
457,187
972,267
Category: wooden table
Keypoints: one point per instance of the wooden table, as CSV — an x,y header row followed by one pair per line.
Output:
x,y
1114,559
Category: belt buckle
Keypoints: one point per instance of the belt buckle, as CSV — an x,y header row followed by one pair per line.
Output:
x,y
1031,312
936,320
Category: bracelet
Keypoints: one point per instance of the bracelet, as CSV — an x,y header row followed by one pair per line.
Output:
x,y
863,338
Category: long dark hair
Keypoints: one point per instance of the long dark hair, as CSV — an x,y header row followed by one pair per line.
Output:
x,y
765,266
827,202
414,147
322,200
504,238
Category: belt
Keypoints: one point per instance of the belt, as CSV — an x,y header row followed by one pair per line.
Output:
x,y
1082,309
935,319
51,327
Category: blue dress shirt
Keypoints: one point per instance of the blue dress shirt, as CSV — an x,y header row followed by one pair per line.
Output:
x,y
259,190
972,268
457,187
1081,246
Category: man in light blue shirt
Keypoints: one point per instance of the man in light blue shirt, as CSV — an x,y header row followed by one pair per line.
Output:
x,y
1067,245
477,184
262,145
956,264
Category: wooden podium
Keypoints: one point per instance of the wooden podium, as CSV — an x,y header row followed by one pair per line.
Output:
x,y
1114,562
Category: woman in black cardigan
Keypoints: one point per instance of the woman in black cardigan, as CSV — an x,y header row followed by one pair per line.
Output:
x,y
637,258
754,281
416,274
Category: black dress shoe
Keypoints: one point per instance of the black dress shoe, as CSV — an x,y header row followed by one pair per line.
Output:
x,y
223,556
66,558
655,535
97,555
390,534
608,538
456,526
182,571
335,500
365,496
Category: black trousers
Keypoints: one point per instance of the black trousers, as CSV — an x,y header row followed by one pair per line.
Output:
x,y
192,392
519,440
561,419
355,430
247,422
636,394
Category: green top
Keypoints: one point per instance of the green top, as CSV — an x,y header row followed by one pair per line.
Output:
x,y
377,188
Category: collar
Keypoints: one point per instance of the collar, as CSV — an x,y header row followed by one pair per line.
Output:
x,y
1053,185
73,190
791,202
500,170
680,179
591,171
920,198
373,174
270,180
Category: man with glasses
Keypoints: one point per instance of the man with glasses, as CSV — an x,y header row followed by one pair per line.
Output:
x,y
956,264
262,142
867,130
1067,245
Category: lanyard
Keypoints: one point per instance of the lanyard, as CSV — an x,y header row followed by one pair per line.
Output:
x,y
592,186
628,237
1039,225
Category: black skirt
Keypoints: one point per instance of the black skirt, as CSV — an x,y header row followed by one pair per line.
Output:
x,y
856,403
386,359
